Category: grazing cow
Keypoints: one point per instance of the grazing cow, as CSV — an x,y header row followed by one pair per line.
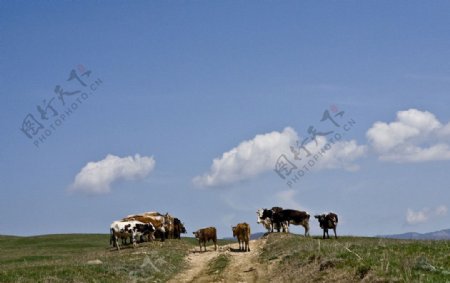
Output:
x,y
205,235
129,230
291,216
265,216
157,220
178,228
242,232
328,221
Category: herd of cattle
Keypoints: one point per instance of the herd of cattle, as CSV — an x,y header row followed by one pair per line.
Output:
x,y
149,226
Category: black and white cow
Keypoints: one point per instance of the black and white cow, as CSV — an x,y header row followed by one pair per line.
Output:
x,y
328,221
265,217
133,230
291,216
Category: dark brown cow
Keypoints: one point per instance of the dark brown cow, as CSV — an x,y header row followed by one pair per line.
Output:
x,y
205,235
328,221
242,232
178,228
291,216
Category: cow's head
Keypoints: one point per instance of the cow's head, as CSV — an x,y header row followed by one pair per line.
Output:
x,y
150,227
233,228
259,214
321,219
183,229
196,234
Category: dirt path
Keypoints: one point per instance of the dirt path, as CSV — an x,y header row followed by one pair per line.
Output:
x,y
243,267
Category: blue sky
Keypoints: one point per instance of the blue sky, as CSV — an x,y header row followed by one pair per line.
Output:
x,y
184,83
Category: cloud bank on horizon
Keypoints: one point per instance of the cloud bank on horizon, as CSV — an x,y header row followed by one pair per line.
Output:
x,y
97,177
424,215
415,136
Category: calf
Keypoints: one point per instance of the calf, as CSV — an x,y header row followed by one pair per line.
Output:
x,y
242,232
205,235
328,221
291,216
128,230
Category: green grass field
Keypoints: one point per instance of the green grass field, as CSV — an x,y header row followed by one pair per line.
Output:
x,y
293,258
65,258
352,259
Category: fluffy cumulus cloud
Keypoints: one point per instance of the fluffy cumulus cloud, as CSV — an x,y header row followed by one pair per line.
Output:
x,y
341,154
248,159
258,155
425,214
97,177
414,136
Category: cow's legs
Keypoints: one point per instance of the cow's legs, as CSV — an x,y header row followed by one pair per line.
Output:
x,y
285,226
306,225
334,229
116,239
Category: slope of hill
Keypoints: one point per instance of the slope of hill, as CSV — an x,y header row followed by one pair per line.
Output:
x,y
438,235
278,257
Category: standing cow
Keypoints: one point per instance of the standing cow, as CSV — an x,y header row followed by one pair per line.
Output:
x,y
328,221
265,216
205,235
242,232
132,230
156,219
291,216
178,228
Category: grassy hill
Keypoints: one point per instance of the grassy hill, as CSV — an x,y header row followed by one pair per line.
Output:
x,y
87,258
352,259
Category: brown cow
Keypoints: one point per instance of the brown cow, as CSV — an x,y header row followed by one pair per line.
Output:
x,y
205,235
242,232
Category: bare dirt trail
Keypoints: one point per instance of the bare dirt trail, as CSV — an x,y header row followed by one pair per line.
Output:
x,y
243,266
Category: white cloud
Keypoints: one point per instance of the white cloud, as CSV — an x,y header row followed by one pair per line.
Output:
x,y
441,210
413,217
342,154
259,155
97,177
425,214
248,159
415,136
